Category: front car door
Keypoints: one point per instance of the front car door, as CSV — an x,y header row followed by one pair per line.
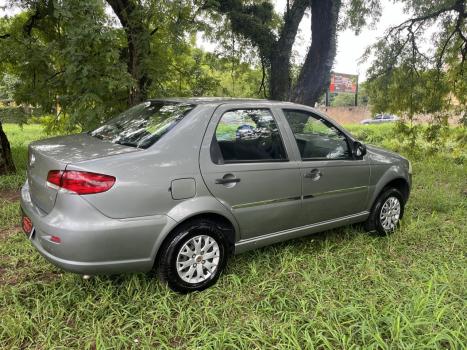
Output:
x,y
334,182
245,165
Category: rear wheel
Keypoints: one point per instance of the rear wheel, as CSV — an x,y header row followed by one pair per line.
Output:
x,y
194,257
386,213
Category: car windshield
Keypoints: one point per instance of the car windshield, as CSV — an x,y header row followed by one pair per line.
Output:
x,y
143,125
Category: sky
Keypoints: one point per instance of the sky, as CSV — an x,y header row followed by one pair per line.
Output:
x,y
350,47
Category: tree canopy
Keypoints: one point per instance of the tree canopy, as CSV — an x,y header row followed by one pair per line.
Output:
x,y
83,61
74,61
419,66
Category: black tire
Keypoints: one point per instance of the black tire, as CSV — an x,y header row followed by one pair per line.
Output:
x,y
374,222
167,262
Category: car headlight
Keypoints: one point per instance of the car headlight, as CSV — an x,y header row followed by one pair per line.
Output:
x,y
410,167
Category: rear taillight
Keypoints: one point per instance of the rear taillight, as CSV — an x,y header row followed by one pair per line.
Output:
x,y
55,177
80,182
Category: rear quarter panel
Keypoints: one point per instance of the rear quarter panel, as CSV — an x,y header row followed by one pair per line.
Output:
x,y
143,185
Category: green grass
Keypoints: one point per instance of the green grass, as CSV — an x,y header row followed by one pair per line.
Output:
x,y
19,138
342,289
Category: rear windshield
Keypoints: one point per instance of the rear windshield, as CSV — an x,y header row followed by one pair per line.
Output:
x,y
143,125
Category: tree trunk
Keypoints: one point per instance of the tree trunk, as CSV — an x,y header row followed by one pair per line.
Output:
x,y
6,160
316,71
130,15
249,21
280,75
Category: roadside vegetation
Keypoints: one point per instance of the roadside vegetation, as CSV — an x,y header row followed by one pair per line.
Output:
x,y
342,289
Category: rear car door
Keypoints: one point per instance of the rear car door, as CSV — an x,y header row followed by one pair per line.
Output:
x,y
245,164
334,182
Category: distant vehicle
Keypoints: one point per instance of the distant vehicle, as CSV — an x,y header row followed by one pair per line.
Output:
x,y
245,131
381,118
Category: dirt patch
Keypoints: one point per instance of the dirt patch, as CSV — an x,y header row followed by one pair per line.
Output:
x,y
7,232
16,278
7,280
9,195
48,276
347,115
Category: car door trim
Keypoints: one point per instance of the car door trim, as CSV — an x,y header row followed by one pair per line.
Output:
x,y
266,202
260,241
343,190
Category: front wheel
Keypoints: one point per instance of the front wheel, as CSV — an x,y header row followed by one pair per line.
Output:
x,y
194,257
386,213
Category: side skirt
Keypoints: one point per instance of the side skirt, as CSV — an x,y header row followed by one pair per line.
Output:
x,y
271,238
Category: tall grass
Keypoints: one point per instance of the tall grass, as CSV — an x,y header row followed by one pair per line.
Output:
x,y
341,289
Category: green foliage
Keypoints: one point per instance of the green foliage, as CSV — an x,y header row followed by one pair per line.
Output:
x,y
341,289
68,65
7,85
358,13
73,64
408,79
342,99
417,140
12,115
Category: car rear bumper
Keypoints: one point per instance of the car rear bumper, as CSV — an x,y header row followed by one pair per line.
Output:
x,y
92,243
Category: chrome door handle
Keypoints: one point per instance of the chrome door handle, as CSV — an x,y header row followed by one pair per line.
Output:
x,y
227,181
314,174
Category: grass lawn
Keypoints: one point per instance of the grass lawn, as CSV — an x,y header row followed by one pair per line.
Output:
x,y
342,289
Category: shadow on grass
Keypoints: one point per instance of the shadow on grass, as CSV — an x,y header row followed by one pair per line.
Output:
x,y
315,243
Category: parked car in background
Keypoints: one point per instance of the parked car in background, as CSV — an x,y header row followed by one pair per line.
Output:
x,y
179,185
381,118
245,131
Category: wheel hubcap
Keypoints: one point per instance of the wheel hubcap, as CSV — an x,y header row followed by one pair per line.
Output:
x,y
198,259
390,213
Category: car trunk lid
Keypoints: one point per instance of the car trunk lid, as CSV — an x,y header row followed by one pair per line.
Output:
x,y
55,154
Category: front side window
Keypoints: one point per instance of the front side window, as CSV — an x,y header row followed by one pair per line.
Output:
x,y
247,135
316,137
142,125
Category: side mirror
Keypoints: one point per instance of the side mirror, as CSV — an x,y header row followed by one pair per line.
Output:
x,y
359,149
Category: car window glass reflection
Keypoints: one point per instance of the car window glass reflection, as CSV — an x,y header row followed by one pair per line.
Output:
x,y
246,135
316,138
142,125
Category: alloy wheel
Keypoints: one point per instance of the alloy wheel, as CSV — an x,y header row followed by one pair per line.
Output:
x,y
198,259
390,213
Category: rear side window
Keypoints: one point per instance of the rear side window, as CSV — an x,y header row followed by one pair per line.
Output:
x,y
247,135
142,125
317,138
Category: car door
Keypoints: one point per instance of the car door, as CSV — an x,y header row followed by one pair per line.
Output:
x,y
245,165
334,182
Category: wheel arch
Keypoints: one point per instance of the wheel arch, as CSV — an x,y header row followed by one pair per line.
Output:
x,y
225,225
400,184
391,179
205,207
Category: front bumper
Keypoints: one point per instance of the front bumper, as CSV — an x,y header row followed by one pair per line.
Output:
x,y
92,243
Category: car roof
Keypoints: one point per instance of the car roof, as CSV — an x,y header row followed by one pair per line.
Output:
x,y
215,100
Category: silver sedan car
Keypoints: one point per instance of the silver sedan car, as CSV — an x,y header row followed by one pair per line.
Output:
x,y
380,118
176,186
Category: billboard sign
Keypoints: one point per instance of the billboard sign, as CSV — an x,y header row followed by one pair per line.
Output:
x,y
343,83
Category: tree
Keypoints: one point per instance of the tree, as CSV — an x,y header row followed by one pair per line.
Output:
x,y
409,78
315,74
274,36
6,160
132,18
66,61
145,23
